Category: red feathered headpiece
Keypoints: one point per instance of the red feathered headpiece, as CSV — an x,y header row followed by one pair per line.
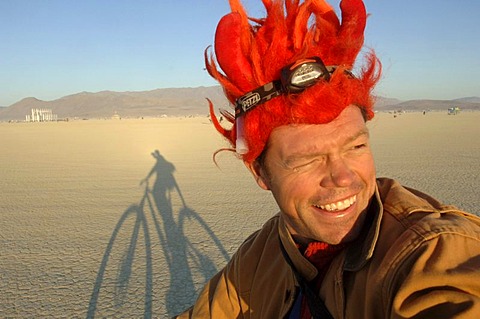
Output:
x,y
252,52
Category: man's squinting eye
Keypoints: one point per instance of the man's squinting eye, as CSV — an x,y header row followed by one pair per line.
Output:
x,y
360,146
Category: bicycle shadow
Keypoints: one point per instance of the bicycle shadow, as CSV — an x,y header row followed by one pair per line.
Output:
x,y
159,228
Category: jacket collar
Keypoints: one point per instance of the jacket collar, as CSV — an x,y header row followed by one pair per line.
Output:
x,y
306,269
357,253
361,250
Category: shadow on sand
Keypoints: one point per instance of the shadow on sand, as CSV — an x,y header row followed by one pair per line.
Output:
x,y
155,221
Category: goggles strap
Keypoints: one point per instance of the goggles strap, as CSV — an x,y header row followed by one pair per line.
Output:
x,y
258,96
294,79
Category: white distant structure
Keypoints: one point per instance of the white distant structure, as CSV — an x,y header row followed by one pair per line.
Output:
x,y
115,116
41,115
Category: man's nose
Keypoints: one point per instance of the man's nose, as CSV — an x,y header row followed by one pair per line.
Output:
x,y
337,174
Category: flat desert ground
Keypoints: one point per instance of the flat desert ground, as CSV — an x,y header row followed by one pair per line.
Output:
x,y
128,218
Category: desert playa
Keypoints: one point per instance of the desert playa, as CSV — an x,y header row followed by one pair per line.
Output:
x,y
128,218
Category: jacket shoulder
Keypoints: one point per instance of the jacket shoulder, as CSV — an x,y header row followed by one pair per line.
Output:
x,y
426,246
259,262
258,244
412,217
412,207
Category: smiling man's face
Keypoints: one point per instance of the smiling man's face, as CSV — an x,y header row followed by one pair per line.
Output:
x,y
322,176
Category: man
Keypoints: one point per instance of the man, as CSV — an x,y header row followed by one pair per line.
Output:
x,y
344,244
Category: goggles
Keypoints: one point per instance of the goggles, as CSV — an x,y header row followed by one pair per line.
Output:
x,y
294,78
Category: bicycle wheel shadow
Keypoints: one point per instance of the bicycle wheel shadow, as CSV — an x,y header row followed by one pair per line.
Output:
x,y
159,255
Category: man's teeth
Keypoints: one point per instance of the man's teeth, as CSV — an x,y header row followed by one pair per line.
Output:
x,y
339,205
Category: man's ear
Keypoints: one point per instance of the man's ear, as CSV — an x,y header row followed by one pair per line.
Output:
x,y
259,173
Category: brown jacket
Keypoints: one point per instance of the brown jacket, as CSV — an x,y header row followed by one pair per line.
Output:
x,y
416,258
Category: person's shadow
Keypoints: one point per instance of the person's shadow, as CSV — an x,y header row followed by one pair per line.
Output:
x,y
162,211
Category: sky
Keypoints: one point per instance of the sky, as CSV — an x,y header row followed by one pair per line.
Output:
x,y
430,49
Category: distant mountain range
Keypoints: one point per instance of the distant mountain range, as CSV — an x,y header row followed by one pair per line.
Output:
x,y
179,102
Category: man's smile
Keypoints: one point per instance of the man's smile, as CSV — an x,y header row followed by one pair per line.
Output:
x,y
340,205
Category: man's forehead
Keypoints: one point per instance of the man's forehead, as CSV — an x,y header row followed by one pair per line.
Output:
x,y
314,143
303,139
349,122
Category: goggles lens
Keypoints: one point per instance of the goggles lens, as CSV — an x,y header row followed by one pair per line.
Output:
x,y
299,76
305,76
295,78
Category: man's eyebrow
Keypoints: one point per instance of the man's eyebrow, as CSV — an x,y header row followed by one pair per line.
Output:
x,y
309,155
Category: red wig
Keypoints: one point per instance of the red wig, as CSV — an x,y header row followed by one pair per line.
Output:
x,y
251,52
